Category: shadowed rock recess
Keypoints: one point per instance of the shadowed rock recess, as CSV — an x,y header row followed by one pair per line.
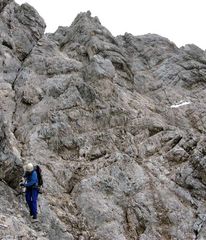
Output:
x,y
117,123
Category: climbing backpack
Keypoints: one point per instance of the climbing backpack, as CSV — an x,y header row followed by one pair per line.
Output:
x,y
39,176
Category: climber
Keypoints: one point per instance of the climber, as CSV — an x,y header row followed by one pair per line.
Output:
x,y
31,194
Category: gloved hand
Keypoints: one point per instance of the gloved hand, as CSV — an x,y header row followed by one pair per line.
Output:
x,y
21,184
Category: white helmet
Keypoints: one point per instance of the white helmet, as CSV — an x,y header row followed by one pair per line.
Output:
x,y
29,167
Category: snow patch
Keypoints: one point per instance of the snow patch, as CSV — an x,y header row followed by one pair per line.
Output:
x,y
180,104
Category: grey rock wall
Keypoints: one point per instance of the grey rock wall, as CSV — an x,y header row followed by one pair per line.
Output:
x,y
117,125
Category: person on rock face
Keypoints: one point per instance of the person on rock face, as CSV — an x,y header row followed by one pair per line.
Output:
x,y
31,194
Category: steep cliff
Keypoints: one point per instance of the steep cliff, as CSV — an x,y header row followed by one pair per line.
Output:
x,y
117,125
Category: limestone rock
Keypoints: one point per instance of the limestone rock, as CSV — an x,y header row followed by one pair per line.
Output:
x,y
116,123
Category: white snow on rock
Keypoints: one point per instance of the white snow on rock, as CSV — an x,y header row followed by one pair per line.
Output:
x,y
180,104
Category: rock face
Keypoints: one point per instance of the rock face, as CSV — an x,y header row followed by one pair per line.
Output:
x,y
117,125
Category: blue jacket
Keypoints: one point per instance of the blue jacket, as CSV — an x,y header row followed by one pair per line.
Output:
x,y
31,179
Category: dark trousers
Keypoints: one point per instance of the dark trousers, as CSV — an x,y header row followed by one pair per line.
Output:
x,y
31,199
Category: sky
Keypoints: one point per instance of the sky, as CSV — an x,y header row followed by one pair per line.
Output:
x,y
181,21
